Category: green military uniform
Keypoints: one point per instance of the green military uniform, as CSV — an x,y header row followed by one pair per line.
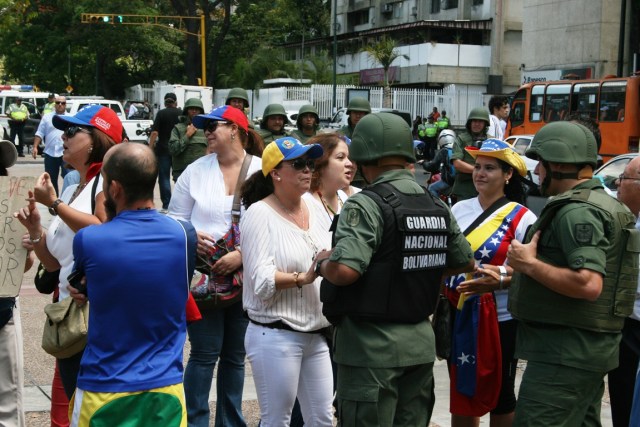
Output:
x,y
268,136
571,343
463,187
272,110
346,131
371,356
185,151
300,136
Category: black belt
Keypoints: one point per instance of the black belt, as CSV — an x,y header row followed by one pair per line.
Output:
x,y
279,324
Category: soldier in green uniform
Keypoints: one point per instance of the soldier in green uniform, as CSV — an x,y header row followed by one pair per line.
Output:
x,y
575,283
382,280
308,123
472,136
356,110
272,124
239,98
187,143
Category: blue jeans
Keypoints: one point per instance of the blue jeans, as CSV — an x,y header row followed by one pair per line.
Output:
x,y
54,166
164,179
438,188
220,334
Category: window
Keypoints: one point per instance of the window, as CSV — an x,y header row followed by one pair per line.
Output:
x,y
537,100
612,98
449,4
435,6
585,99
477,2
556,102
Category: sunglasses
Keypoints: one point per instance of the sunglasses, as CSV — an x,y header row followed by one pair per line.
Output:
x,y
300,163
71,131
212,125
61,103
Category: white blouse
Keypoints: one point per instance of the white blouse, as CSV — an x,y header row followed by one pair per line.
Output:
x,y
271,243
60,236
200,196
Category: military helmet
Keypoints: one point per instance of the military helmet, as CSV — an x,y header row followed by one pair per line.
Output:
x,y
564,142
307,109
275,110
238,93
381,135
446,138
193,102
359,104
479,113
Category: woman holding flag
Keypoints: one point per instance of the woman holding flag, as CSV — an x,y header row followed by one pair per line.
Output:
x,y
482,366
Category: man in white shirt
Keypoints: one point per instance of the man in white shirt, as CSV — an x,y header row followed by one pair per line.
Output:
x,y
623,378
499,108
52,138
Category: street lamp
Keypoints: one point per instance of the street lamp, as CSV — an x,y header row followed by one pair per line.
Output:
x,y
335,54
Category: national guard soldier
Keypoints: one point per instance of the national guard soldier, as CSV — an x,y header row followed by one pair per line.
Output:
x,y
307,123
239,98
356,110
472,136
272,124
575,283
382,281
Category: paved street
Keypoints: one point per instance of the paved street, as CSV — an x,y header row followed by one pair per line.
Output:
x,y
38,367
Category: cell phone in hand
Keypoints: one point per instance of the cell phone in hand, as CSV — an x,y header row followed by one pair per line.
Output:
x,y
75,280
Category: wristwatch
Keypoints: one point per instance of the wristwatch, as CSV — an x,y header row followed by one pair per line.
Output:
x,y
53,209
318,265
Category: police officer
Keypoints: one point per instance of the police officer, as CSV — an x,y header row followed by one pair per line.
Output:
x,y
575,283
472,136
356,110
382,280
307,123
430,135
272,124
18,115
49,107
187,143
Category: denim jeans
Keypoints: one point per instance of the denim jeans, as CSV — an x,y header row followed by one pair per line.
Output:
x,y
54,166
219,335
164,179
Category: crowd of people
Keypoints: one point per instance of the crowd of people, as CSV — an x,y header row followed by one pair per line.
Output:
x,y
319,259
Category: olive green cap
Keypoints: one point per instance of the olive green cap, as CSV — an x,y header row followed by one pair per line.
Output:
x,y
381,135
238,93
193,102
564,142
275,110
479,113
359,104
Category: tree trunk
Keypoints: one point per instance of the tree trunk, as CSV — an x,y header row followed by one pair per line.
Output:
x,y
214,52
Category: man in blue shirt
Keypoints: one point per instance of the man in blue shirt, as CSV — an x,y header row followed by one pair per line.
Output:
x,y
138,267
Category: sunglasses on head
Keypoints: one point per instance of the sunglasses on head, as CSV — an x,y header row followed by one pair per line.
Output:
x,y
300,163
71,131
212,125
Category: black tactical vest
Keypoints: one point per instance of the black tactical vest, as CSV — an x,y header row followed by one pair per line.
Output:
x,y
402,281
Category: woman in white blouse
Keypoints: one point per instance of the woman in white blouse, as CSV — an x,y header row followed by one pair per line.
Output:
x,y
280,238
204,195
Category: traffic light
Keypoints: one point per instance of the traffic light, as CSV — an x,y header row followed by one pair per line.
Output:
x,y
117,19
98,19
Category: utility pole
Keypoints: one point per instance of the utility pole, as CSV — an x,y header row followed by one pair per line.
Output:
x,y
158,21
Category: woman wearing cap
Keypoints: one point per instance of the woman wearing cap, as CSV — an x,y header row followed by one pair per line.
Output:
x,y
281,236
490,220
87,137
204,195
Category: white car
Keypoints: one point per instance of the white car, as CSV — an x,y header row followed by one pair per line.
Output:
x,y
610,171
520,143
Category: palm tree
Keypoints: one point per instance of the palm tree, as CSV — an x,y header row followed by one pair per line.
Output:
x,y
384,52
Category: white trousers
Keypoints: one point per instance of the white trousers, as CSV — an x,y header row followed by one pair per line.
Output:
x,y
286,364
11,372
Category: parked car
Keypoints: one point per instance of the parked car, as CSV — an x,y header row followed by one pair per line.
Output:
x,y
610,171
34,101
340,118
520,143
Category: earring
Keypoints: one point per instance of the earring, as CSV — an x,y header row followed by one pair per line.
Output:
x,y
233,136
507,183
90,150
278,179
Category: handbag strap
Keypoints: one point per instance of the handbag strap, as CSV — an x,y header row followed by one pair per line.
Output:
x,y
485,214
235,208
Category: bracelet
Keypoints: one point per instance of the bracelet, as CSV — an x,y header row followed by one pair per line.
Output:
x,y
503,274
37,239
295,279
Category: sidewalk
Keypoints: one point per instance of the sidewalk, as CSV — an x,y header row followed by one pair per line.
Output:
x,y
38,365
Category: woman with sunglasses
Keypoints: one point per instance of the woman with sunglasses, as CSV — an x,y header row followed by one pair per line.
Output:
x,y
204,195
86,138
281,235
490,221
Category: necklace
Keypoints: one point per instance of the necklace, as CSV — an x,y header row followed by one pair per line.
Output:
x,y
288,211
77,192
327,206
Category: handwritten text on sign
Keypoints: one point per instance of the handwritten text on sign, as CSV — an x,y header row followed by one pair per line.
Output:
x,y
13,195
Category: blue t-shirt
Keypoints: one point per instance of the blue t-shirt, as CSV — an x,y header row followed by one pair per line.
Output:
x,y
137,282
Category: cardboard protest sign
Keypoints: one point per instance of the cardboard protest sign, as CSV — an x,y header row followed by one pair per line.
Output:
x,y
13,194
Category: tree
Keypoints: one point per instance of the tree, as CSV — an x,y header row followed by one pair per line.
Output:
x,y
384,52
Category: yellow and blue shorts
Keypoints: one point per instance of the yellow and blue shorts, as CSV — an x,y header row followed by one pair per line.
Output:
x,y
164,406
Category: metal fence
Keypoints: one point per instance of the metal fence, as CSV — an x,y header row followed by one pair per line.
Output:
x,y
456,101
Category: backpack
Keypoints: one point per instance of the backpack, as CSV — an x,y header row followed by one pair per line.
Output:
x,y
447,171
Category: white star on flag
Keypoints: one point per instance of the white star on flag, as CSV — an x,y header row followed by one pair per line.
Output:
x,y
485,252
495,241
464,359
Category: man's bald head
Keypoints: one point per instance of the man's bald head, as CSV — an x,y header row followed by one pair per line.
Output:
x,y
629,189
134,166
